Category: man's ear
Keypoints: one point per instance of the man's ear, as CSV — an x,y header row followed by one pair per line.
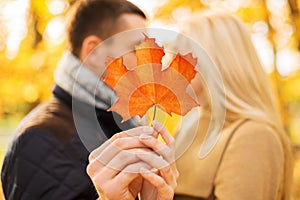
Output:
x,y
88,45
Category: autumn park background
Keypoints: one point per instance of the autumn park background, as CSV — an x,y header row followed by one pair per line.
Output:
x,y
32,40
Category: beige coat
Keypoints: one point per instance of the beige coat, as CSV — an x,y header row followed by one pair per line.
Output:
x,y
247,163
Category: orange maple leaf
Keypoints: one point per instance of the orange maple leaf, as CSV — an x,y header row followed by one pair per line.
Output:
x,y
148,85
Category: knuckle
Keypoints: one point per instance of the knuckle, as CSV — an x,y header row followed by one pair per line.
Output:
x,y
117,143
92,156
175,185
124,156
177,174
167,169
89,170
169,153
118,135
103,188
172,143
161,184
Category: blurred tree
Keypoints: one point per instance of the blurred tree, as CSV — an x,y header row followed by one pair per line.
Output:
x,y
26,78
294,6
170,6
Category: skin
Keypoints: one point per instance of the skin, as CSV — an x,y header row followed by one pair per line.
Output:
x,y
123,166
125,22
132,162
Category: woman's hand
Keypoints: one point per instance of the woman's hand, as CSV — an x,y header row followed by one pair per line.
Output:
x,y
160,184
114,166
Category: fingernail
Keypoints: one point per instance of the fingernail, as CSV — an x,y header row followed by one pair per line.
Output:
x,y
145,137
148,129
155,134
158,126
154,122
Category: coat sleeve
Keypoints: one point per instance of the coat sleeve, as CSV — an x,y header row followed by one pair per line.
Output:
x,y
252,166
39,167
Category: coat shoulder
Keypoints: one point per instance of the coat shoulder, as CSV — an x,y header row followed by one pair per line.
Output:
x,y
54,117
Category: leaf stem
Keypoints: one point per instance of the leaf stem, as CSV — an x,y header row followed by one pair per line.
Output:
x,y
154,112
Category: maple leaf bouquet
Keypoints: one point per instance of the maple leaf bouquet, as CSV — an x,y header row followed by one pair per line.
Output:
x,y
149,85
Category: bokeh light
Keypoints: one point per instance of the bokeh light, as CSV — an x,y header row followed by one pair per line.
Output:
x,y
287,61
57,7
14,17
55,31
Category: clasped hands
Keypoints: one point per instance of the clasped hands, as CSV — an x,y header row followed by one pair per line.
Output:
x,y
135,162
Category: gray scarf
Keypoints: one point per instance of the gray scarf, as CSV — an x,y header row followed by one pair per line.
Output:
x,y
76,79
82,84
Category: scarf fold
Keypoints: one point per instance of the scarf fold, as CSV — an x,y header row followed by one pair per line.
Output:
x,y
76,79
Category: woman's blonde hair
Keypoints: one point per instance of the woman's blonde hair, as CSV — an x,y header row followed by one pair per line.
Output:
x,y
248,93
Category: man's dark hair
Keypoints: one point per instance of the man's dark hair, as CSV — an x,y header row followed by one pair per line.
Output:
x,y
96,17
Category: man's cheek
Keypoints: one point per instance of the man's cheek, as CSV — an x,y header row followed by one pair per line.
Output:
x,y
130,60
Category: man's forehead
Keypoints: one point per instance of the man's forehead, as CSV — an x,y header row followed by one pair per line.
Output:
x,y
125,42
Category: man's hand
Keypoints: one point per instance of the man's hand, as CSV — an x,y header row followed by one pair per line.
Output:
x,y
114,166
134,162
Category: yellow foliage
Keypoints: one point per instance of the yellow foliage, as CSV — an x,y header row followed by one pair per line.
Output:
x,y
165,12
27,79
253,14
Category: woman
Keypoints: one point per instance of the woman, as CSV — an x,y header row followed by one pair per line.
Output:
x,y
235,146
252,156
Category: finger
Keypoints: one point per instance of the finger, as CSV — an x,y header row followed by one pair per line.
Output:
x,y
112,187
169,172
106,154
126,176
153,159
114,167
97,168
132,132
121,162
122,159
170,175
94,154
167,137
119,145
139,130
117,163
164,190
167,153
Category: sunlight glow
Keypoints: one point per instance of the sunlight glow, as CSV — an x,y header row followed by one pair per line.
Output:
x,y
54,32
265,52
12,45
230,5
263,46
276,6
148,6
30,93
14,17
57,7
288,61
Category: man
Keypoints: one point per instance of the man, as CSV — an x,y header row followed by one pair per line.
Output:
x,y
48,156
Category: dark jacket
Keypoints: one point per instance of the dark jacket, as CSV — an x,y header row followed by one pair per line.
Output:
x,y
47,160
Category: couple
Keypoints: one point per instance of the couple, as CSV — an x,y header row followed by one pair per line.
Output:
x,y
232,147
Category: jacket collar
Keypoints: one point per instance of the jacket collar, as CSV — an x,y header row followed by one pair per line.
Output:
x,y
81,83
